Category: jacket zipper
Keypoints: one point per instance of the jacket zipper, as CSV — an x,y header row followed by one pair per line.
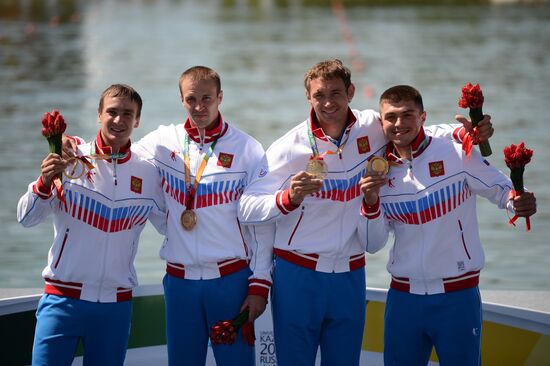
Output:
x,y
423,249
200,157
296,227
114,171
62,247
106,247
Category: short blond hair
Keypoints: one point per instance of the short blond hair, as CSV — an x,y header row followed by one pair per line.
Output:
x,y
196,73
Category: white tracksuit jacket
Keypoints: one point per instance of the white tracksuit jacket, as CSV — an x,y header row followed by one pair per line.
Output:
x,y
96,234
430,206
218,241
322,233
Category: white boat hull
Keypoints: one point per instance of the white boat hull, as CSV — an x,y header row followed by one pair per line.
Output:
x,y
512,335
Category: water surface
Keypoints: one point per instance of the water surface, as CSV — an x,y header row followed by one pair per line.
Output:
x,y
63,54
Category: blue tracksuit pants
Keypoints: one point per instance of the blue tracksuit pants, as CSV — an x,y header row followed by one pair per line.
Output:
x,y
316,309
192,307
450,322
63,321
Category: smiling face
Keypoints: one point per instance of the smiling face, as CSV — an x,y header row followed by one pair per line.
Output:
x,y
118,117
401,122
201,99
329,98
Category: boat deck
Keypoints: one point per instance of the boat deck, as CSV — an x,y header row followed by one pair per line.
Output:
x,y
516,328
531,300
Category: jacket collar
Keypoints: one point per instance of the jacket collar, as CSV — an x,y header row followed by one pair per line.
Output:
x,y
317,130
104,149
418,145
209,135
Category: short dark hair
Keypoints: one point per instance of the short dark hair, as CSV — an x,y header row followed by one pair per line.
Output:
x,y
196,73
121,91
400,93
328,69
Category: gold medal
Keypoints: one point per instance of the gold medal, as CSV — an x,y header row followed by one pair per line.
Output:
x,y
318,168
188,219
378,164
75,169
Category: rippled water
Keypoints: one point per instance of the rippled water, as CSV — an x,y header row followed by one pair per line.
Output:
x,y
63,54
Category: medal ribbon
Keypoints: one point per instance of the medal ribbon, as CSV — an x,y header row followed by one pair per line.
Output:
x,y
471,138
94,156
393,156
59,189
187,165
315,149
90,165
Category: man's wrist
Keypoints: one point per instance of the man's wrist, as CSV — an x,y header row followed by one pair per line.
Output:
x,y
41,189
284,204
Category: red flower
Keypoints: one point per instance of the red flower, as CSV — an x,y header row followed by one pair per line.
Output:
x,y
516,157
53,124
225,331
472,96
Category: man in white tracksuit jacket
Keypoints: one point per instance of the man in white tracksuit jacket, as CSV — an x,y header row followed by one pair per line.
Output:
x,y
90,272
214,267
428,201
318,294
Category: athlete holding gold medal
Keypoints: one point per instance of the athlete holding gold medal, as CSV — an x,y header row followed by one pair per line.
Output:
x,y
205,163
436,254
106,204
307,192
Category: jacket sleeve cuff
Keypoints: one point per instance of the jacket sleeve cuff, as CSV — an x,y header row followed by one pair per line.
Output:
x,y
258,287
459,134
42,190
283,202
370,211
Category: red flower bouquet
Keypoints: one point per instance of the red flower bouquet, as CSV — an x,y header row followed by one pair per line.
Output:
x,y
225,331
53,126
516,157
472,97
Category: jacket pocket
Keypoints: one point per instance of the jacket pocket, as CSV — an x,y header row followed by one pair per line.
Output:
x,y
65,237
296,226
463,241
